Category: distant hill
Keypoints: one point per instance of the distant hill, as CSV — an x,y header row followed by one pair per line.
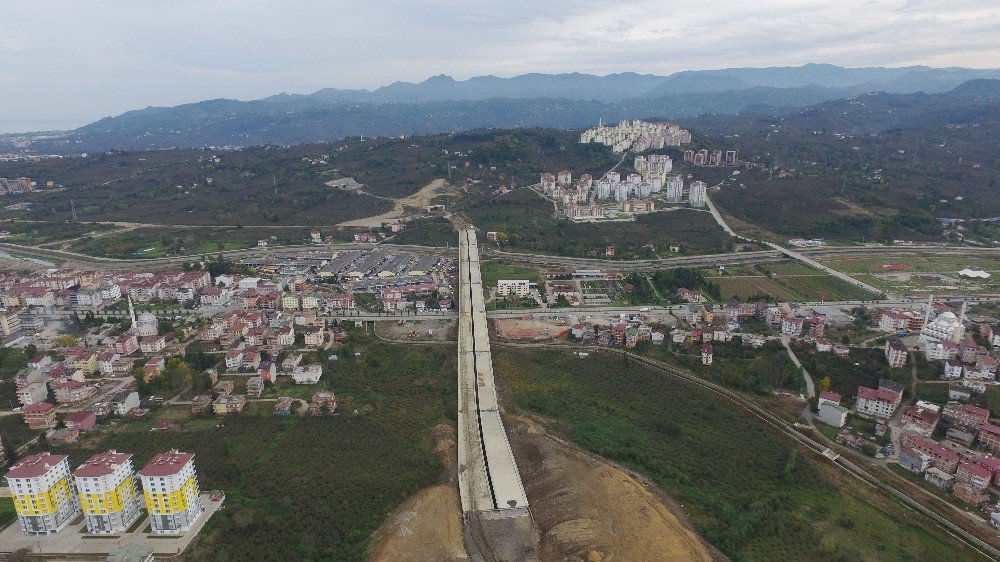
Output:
x,y
815,94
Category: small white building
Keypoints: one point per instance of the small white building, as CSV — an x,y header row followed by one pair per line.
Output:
x,y
307,374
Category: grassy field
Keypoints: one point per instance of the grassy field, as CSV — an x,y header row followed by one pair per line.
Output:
x,y
493,271
922,274
784,281
312,488
155,242
35,233
748,490
7,513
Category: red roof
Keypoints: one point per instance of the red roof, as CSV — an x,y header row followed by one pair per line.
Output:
x,y
33,466
990,462
102,464
831,396
867,393
976,470
38,408
81,416
987,427
976,411
165,464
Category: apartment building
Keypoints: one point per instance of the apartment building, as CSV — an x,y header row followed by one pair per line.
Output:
x,y
108,493
44,494
171,491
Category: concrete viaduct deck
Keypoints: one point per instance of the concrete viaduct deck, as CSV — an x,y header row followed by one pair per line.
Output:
x,y
489,483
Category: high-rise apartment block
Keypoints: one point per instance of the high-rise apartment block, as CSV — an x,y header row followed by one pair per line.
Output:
x,y
108,494
173,497
44,494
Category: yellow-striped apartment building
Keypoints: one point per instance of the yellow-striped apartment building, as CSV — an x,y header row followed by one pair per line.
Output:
x,y
108,494
44,493
172,494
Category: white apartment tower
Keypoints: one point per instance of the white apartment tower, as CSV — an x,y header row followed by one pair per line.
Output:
x,y
173,497
108,493
675,188
43,491
698,194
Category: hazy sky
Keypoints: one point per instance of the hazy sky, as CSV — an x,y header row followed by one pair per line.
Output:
x,y
63,64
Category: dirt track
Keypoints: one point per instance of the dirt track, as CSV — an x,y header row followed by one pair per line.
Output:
x,y
418,200
589,510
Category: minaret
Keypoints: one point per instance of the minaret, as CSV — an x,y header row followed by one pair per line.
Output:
x,y
961,322
930,306
131,313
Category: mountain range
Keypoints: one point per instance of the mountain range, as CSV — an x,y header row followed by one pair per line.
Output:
x,y
442,104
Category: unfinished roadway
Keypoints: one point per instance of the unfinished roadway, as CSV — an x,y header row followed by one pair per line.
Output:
x,y
494,504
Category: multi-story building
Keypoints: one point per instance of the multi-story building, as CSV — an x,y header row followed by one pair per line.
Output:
x,y
989,437
108,494
126,344
229,404
792,325
698,194
830,410
39,415
43,491
307,374
706,354
880,402
10,322
172,494
314,336
965,415
518,287
896,352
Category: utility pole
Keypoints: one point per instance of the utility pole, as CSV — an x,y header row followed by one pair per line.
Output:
x,y
72,205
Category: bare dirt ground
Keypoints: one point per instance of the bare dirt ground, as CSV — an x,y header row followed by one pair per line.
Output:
x,y
418,200
428,526
520,329
589,510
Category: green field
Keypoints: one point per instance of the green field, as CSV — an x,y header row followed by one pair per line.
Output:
x,y
784,281
748,490
7,513
35,233
156,242
312,488
922,274
493,271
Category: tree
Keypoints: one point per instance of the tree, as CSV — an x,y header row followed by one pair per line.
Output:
x,y
824,384
67,340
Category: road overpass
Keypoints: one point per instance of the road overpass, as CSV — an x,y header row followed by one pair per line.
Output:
x,y
489,482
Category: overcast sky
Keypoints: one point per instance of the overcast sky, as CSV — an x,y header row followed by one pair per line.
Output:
x,y
64,64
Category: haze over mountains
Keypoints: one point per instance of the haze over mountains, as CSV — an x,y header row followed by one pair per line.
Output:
x,y
442,104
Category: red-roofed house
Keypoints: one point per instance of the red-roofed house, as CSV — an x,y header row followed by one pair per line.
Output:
x,y
81,421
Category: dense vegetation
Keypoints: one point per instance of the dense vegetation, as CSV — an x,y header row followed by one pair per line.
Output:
x,y
748,490
437,231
